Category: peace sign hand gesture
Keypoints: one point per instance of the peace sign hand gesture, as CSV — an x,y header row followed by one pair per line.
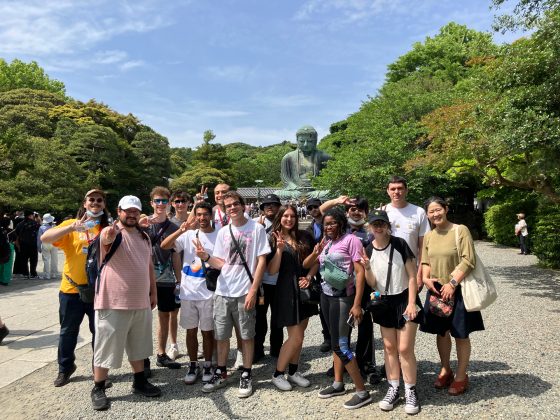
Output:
x,y
280,242
364,260
186,225
202,195
319,247
112,231
79,225
199,250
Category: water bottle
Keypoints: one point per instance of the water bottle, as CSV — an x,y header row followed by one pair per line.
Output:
x,y
177,292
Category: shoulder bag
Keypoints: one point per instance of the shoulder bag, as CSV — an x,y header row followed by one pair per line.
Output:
x,y
477,287
332,273
210,274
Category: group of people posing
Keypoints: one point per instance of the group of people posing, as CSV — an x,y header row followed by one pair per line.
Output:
x,y
224,271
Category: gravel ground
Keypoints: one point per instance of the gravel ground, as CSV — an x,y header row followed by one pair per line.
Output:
x,y
514,369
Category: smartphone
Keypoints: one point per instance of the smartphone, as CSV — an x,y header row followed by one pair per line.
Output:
x,y
350,321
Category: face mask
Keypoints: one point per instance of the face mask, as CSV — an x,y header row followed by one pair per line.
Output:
x,y
92,214
356,223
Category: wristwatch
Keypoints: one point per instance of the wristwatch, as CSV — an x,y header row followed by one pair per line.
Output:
x,y
453,282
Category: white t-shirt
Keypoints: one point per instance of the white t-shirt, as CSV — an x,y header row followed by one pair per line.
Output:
x,y
522,226
193,283
380,264
268,278
409,223
233,280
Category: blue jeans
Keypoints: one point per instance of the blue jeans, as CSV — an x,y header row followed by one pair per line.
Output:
x,y
71,314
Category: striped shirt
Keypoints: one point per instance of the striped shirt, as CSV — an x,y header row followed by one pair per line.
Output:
x,y
125,280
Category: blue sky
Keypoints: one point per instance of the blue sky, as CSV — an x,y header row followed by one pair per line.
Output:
x,y
250,70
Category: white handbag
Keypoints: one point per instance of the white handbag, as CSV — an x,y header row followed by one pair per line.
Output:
x,y
477,287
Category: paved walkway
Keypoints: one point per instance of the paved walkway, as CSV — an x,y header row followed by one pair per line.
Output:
x,y
30,310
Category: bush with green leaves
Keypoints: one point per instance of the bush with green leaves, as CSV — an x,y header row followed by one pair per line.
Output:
x,y
546,236
500,220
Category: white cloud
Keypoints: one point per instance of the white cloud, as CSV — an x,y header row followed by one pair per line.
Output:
x,y
232,73
345,11
110,57
127,65
49,27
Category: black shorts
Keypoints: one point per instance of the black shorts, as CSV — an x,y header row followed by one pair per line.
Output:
x,y
166,299
398,304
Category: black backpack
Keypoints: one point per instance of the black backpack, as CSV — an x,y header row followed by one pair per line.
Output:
x,y
4,247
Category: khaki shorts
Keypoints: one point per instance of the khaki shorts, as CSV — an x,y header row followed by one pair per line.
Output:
x,y
197,314
229,311
117,330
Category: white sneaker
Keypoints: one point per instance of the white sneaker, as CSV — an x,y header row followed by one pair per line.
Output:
x,y
192,374
245,387
298,379
281,383
207,373
173,351
239,360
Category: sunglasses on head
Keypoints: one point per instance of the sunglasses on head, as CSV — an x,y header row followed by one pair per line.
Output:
x,y
161,201
180,201
95,200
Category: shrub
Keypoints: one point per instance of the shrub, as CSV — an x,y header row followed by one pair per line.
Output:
x,y
546,236
500,220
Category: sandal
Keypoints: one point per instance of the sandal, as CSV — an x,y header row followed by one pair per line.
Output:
x,y
459,387
443,381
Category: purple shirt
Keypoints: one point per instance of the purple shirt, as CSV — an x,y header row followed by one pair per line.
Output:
x,y
343,252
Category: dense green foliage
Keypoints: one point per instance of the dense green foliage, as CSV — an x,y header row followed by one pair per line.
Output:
x,y
500,219
546,236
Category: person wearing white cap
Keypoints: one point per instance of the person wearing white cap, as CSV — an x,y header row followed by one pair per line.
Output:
x,y
49,252
123,303
73,237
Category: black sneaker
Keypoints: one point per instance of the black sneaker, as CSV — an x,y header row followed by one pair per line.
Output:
x,y
374,375
64,377
146,389
99,400
163,360
325,347
391,398
4,331
411,406
356,401
331,391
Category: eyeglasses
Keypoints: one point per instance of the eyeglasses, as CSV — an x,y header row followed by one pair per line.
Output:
x,y
161,201
312,207
234,204
95,200
180,201
331,224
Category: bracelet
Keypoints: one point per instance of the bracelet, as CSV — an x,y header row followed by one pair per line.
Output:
x,y
207,259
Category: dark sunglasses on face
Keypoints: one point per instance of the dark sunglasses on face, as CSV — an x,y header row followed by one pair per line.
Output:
x,y
180,201
161,201
312,207
95,200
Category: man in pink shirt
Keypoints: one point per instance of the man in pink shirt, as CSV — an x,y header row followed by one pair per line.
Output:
x,y
123,304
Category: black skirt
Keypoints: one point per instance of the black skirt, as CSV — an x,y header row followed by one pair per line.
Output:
x,y
394,318
460,324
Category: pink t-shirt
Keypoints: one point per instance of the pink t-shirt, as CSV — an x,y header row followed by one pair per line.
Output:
x,y
125,280
343,252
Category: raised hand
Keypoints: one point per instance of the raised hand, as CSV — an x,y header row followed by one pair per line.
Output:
x,y
320,246
146,221
261,219
364,260
186,225
280,242
199,249
79,225
112,231
202,195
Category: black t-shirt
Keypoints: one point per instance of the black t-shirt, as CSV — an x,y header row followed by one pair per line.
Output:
x,y
161,256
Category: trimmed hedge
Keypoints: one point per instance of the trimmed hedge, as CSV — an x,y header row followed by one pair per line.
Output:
x,y
546,236
500,220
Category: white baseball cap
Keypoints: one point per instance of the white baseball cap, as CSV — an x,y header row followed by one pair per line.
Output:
x,y
130,201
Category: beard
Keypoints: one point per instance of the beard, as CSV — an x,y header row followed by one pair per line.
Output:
x,y
129,221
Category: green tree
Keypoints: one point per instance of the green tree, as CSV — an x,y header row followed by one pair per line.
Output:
x,y
152,152
200,174
17,74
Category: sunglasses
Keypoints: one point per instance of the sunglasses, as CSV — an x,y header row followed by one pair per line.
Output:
x,y
95,200
161,201
312,207
180,201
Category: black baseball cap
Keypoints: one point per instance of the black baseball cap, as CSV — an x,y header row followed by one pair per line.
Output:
x,y
313,202
378,215
270,199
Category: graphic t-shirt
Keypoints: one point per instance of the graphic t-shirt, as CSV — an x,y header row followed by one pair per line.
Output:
x,y
409,223
193,283
251,237
343,252
379,259
75,246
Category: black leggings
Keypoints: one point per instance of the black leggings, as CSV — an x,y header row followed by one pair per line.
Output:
x,y
336,312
